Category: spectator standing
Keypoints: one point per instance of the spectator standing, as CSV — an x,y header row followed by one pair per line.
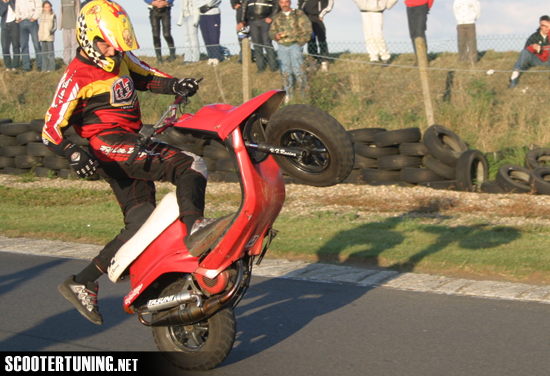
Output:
x,y
292,29
373,22
466,13
258,15
10,34
316,11
67,22
26,14
47,25
238,6
417,15
160,14
189,19
535,53
210,29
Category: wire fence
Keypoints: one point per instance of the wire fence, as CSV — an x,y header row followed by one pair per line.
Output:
x,y
473,100
500,43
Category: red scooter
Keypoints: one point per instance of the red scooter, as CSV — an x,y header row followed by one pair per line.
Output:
x,y
188,296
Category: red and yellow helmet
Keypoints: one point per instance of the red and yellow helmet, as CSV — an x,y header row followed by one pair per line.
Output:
x,y
105,21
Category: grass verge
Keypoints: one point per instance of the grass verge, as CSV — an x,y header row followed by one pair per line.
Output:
x,y
412,242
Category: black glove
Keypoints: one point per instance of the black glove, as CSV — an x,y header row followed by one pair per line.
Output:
x,y
186,87
81,162
204,8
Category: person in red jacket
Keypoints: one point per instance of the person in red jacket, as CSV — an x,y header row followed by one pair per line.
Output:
x,y
417,15
97,96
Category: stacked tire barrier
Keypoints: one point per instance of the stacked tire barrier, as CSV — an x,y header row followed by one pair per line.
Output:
x,y
439,159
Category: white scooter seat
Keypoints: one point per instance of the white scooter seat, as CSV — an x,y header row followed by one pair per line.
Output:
x,y
163,216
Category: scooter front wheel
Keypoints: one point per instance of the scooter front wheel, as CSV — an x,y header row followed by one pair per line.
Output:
x,y
198,347
329,154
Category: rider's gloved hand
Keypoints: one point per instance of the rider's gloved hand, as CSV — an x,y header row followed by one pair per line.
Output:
x,y
186,87
81,162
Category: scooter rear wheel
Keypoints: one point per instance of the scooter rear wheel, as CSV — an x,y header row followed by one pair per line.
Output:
x,y
198,347
329,151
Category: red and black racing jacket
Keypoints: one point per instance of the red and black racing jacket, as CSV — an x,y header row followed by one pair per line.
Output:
x,y
92,100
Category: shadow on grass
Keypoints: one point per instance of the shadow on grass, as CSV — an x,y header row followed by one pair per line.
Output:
x,y
383,236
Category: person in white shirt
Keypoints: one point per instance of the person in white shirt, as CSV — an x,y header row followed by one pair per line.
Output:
x,y
466,13
189,19
10,34
373,22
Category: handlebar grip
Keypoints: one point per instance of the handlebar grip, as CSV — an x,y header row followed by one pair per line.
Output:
x,y
137,149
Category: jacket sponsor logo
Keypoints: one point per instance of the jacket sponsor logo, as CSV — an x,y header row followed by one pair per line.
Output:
x,y
122,92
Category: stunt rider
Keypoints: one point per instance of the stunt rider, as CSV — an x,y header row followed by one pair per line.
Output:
x,y
97,96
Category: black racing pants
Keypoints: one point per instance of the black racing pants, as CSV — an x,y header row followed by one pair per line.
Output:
x,y
134,185
159,16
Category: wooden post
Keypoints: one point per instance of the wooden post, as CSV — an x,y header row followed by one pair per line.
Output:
x,y
246,61
422,58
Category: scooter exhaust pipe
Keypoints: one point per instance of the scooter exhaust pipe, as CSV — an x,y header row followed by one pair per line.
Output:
x,y
195,313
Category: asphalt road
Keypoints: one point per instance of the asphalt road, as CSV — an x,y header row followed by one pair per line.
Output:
x,y
289,327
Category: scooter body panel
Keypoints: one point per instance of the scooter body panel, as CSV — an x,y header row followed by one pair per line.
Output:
x,y
223,118
263,190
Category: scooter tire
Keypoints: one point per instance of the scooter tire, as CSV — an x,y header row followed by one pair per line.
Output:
x,y
330,155
217,333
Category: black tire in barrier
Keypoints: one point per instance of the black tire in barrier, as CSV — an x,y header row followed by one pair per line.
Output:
x,y
12,151
7,140
27,161
362,162
514,179
491,187
38,149
214,152
415,149
540,180
445,145
56,163
372,151
373,174
536,158
30,136
7,162
397,137
44,172
398,162
364,134
14,129
439,168
16,171
472,169
37,125
419,175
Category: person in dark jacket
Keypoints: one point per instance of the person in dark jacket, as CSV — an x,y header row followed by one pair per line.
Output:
x,y
258,15
316,11
10,34
535,52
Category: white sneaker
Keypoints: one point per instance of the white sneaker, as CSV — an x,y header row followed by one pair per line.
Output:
x,y
213,62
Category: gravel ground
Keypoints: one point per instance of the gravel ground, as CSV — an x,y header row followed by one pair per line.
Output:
x,y
370,202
